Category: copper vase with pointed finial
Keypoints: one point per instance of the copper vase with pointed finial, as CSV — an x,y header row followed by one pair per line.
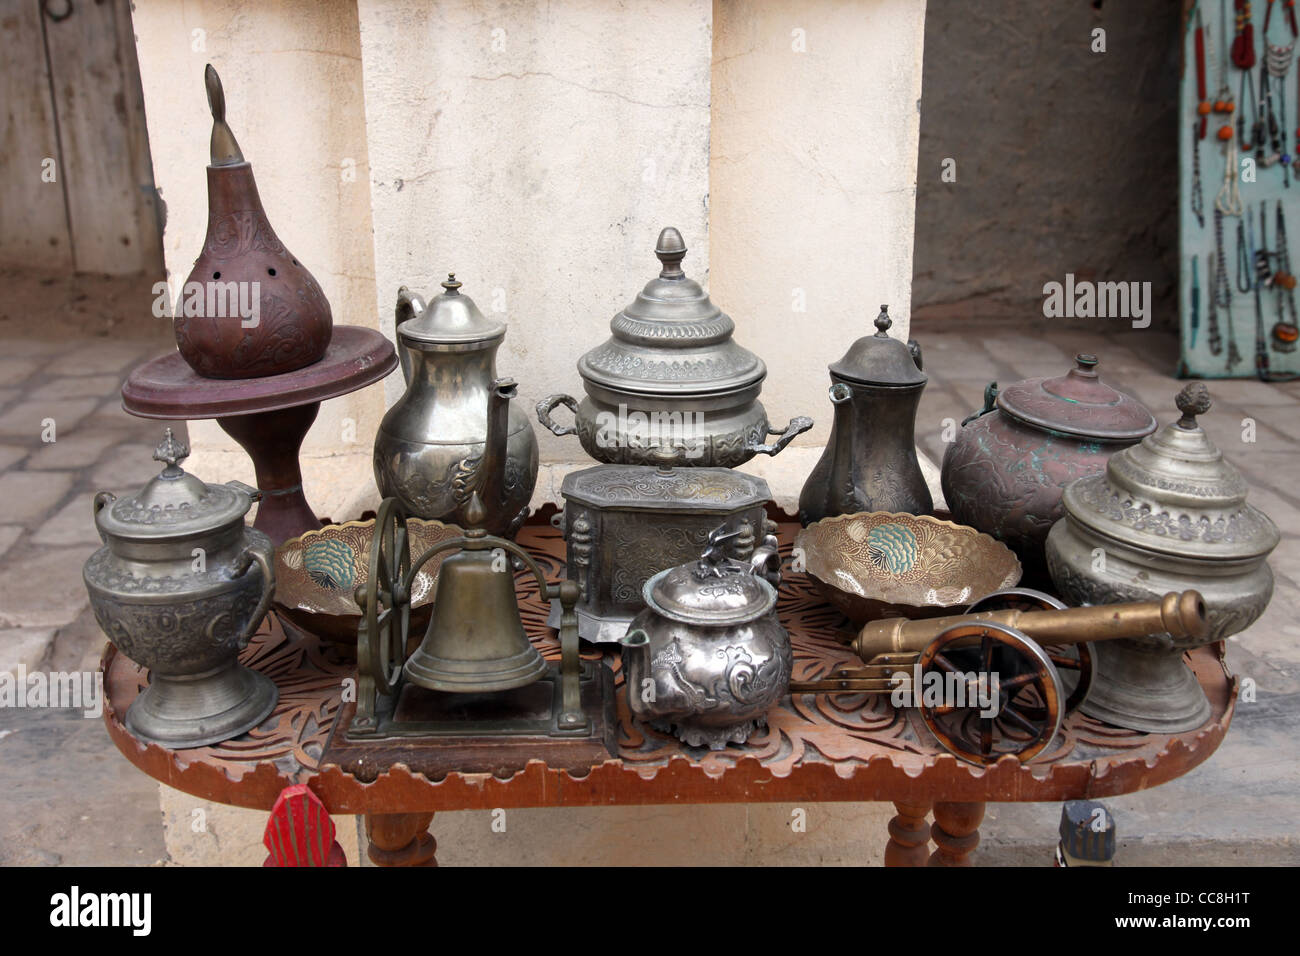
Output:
x,y
249,308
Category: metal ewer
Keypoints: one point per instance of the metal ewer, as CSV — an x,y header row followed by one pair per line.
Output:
x,y
455,431
1166,515
671,374
870,462
180,587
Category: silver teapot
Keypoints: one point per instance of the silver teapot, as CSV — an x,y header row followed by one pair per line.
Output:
x,y
439,443
180,587
707,658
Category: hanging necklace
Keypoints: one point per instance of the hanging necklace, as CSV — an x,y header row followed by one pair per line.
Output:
x,y
1228,199
1212,316
1203,104
1196,303
1249,108
1223,101
1285,333
1243,43
1277,62
1198,195
1244,264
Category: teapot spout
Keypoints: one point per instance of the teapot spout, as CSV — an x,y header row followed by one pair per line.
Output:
x,y
493,466
636,643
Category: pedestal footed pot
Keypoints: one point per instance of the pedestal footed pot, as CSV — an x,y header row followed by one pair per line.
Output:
x,y
455,430
1169,514
243,266
707,658
671,374
1005,472
179,587
870,461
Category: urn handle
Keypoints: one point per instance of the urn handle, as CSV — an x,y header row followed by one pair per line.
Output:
x,y
102,499
797,427
247,559
547,405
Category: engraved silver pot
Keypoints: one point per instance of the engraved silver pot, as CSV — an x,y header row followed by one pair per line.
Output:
x,y
180,586
434,446
623,524
671,374
1169,514
707,659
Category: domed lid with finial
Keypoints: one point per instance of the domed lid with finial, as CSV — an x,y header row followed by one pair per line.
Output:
x,y
879,359
671,340
451,319
1174,493
174,504
1078,403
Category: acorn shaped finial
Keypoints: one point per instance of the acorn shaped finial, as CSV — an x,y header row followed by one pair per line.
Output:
x,y
1193,400
671,250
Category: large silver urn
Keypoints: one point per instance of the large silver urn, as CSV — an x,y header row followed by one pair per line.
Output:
x,y
180,586
1168,514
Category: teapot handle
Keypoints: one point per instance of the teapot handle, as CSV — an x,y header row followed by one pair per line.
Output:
x,y
409,305
250,557
547,405
990,403
765,562
797,426
102,499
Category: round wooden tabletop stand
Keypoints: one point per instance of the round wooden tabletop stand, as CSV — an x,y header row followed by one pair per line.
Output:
x,y
815,749
268,416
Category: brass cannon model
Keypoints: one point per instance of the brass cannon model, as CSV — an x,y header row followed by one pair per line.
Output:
x,y
989,683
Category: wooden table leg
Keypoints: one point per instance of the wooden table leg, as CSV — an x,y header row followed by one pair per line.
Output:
x,y
956,832
401,839
272,440
909,836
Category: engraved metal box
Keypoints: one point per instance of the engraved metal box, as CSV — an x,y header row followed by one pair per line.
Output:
x,y
625,523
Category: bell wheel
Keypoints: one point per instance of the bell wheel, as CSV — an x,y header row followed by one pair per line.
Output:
x,y
385,601
987,691
1074,662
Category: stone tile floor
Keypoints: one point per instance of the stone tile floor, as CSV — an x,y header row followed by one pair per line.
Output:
x,y
69,797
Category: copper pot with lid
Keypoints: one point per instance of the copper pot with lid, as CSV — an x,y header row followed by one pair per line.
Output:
x,y
1005,472
671,374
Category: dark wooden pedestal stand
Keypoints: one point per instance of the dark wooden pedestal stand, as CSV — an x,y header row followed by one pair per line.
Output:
x,y
269,417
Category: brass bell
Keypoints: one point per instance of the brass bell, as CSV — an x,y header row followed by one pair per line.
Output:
x,y
475,642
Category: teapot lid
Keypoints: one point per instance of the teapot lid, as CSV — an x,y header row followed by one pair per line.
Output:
x,y
714,591
451,319
1078,403
174,504
1175,494
879,359
672,339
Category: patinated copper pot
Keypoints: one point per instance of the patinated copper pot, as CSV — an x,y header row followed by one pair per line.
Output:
x,y
249,308
1005,472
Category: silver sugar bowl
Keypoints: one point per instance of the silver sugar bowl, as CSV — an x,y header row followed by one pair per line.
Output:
x,y
180,586
707,658
1168,514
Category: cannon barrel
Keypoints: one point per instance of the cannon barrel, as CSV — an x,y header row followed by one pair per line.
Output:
x,y
1181,615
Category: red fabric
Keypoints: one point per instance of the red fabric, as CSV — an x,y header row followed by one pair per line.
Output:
x,y
300,831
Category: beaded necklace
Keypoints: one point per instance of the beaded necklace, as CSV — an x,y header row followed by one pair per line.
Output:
x,y
1212,314
1277,62
1243,43
1285,333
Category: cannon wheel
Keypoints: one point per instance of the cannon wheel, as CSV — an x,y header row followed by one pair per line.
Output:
x,y
1073,661
385,601
1028,705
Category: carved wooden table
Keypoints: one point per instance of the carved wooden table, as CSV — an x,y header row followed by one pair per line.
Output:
x,y
268,416
816,748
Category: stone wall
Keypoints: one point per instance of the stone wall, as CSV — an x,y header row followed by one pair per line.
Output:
x,y
1066,159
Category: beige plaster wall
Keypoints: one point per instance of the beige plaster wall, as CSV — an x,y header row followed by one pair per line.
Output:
x,y
293,79
812,175
536,150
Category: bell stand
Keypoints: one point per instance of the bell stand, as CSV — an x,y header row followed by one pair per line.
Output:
x,y
565,716
269,416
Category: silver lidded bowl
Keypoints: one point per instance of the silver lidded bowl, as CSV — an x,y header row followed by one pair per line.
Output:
x,y
1169,514
179,587
671,373
707,658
